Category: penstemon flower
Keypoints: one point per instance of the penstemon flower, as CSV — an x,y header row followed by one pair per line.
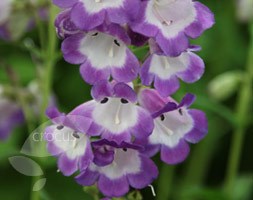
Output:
x,y
67,139
112,55
115,114
96,12
128,167
175,125
171,22
164,70
11,115
124,124
64,26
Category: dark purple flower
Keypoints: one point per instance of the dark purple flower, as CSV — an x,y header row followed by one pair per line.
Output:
x,y
164,71
175,125
64,26
171,22
67,140
129,168
115,114
88,14
102,53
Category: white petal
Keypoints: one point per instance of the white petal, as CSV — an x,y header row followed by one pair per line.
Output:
x,y
115,116
71,142
102,51
172,129
94,6
165,67
171,16
125,162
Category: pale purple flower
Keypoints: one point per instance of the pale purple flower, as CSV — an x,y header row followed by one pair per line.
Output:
x,y
67,140
88,14
175,125
164,71
115,114
171,22
102,53
11,115
128,167
64,26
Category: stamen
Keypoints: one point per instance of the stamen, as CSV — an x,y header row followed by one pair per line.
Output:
x,y
165,62
117,120
125,149
58,170
159,16
166,130
104,100
124,101
111,51
152,190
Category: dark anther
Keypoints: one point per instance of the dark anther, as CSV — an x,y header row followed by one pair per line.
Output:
x,y
95,34
104,100
75,134
162,117
124,149
117,43
124,101
180,111
60,127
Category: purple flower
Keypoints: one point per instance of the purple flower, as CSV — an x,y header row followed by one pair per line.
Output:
x,y
64,26
129,167
88,14
171,22
164,70
175,125
11,115
67,140
102,52
115,114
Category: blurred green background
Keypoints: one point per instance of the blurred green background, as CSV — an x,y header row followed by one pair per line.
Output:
x,y
225,50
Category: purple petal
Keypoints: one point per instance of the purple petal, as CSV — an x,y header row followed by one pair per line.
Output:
x,y
205,20
79,13
194,70
200,126
146,77
176,154
66,165
173,46
113,188
151,100
87,178
101,89
188,100
145,124
91,75
65,3
166,87
147,175
70,49
122,90
130,69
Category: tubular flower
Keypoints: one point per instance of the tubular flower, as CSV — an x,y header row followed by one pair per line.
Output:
x,y
129,167
161,20
175,125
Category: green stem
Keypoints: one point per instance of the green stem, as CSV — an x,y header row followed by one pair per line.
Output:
x,y
49,55
165,182
243,108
